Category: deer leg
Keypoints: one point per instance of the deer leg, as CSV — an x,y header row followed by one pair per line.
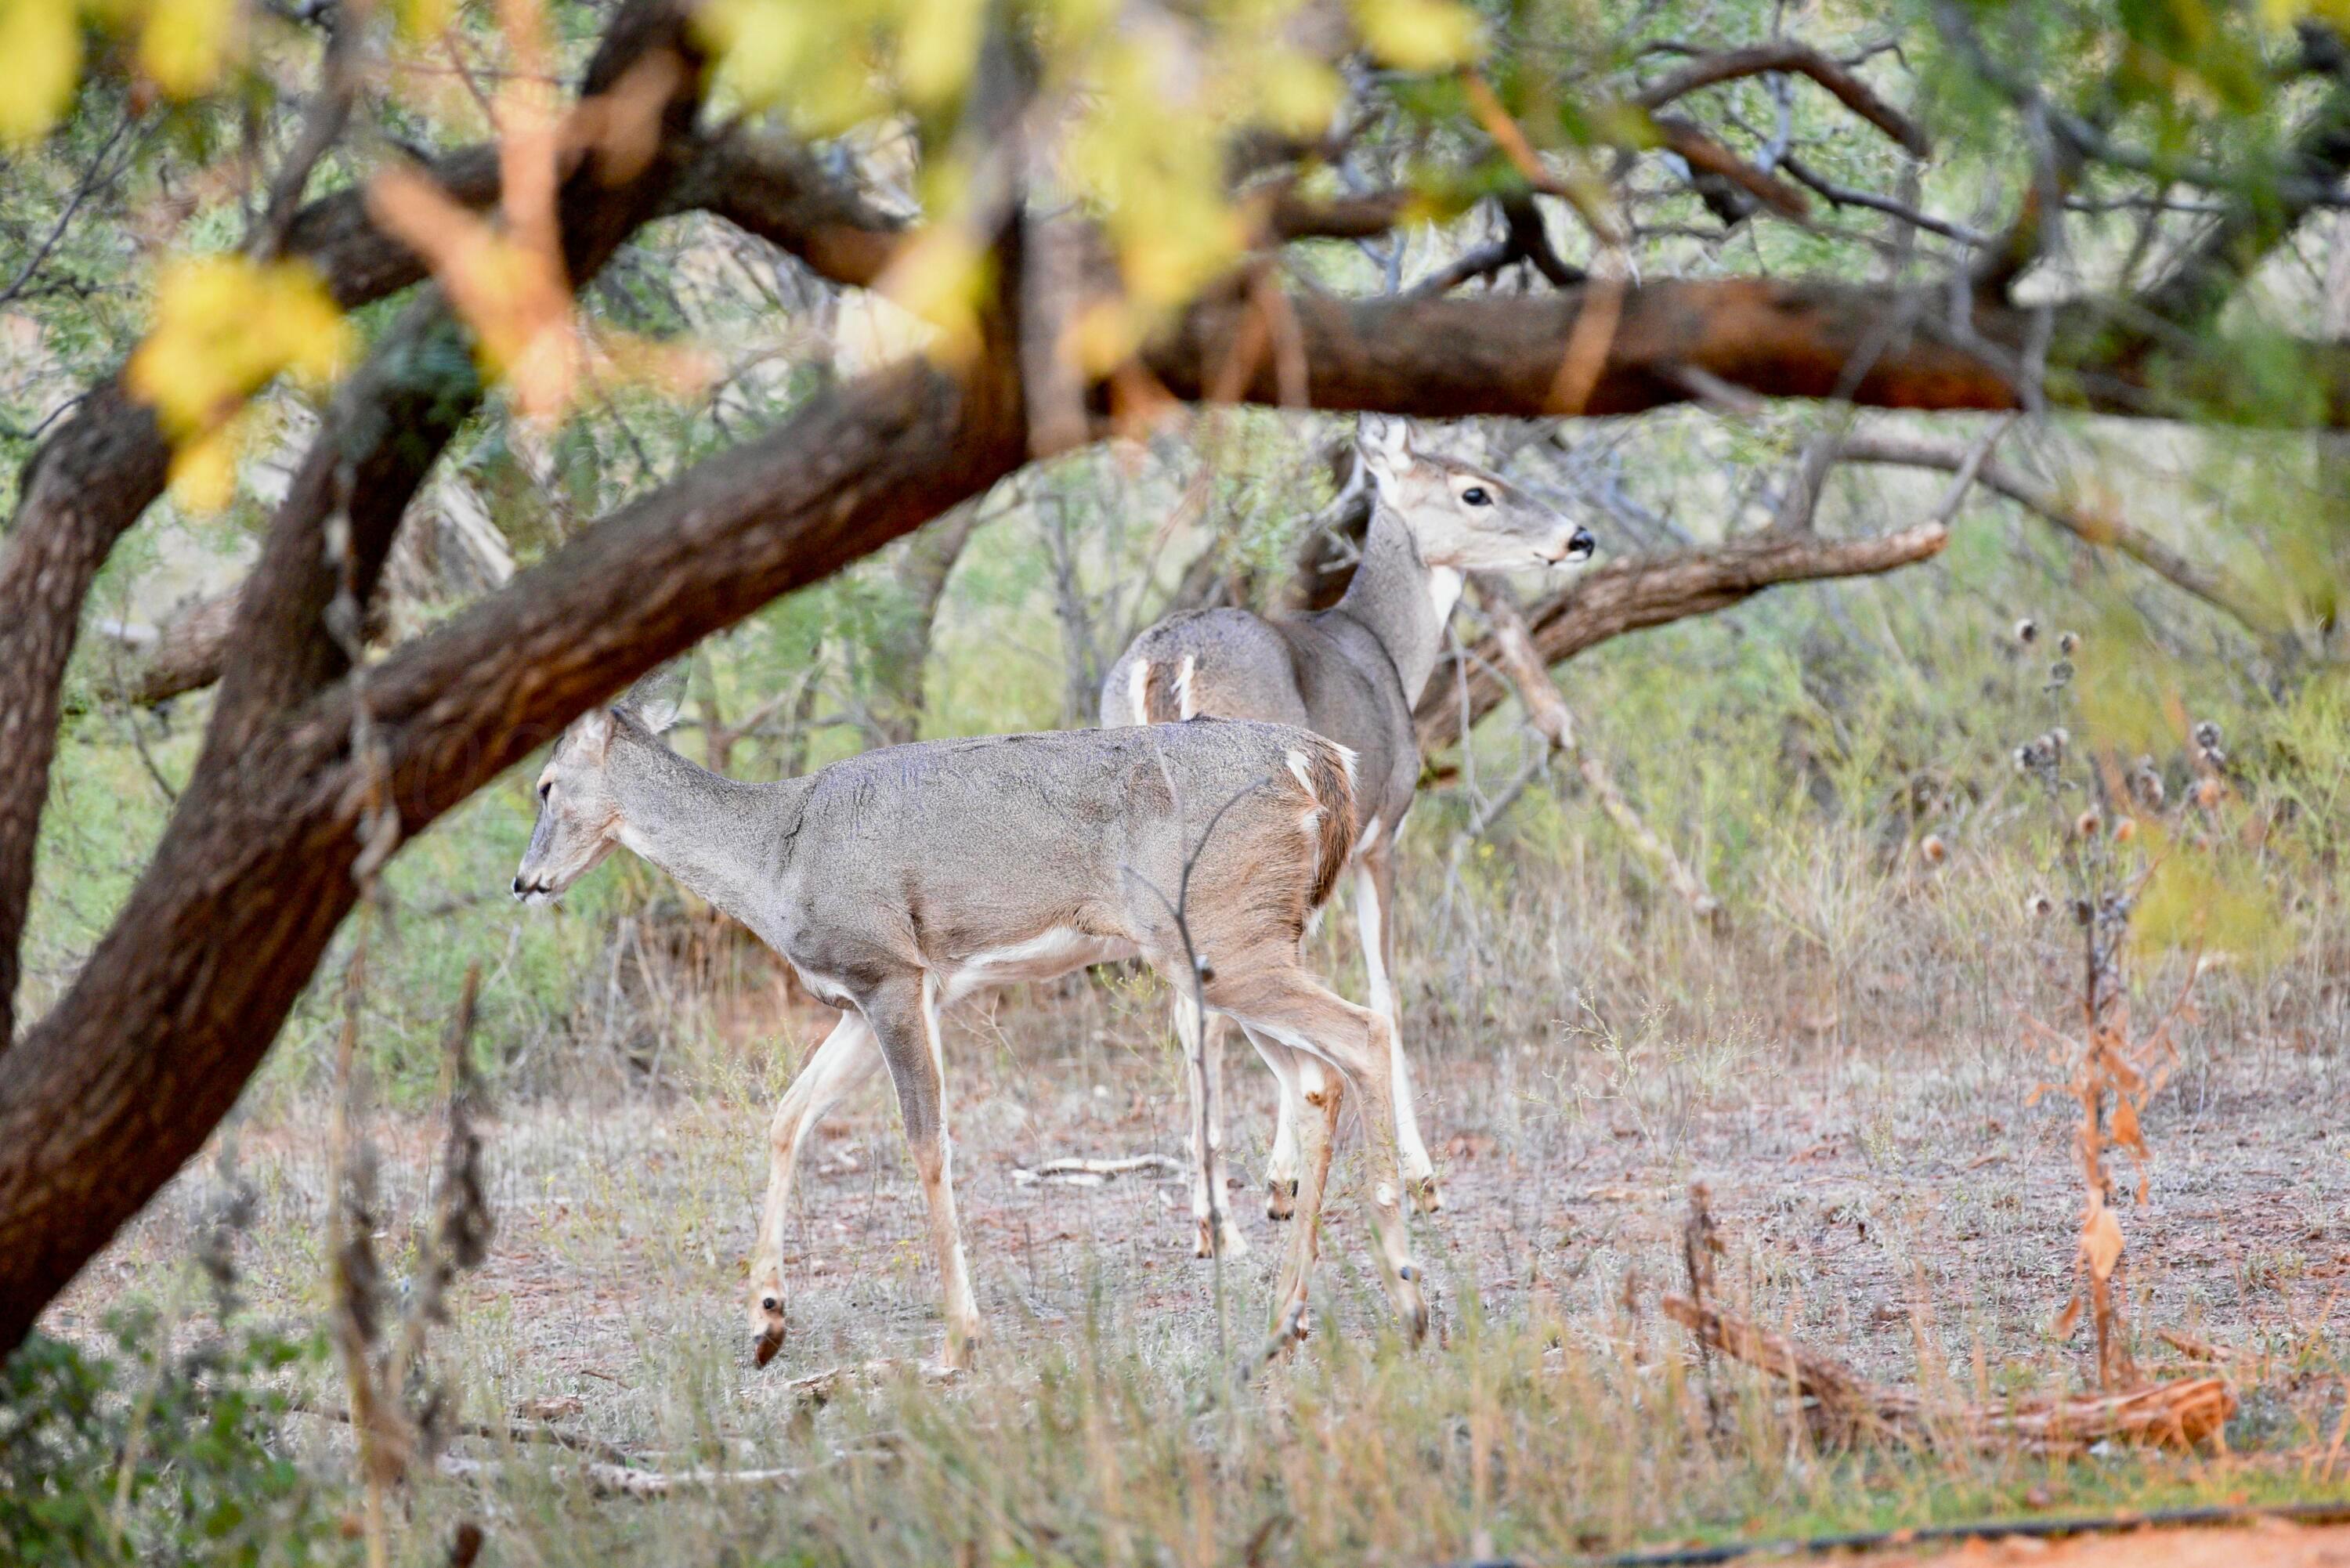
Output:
x,y
846,1059
1320,1092
1291,1007
1374,911
1203,1039
905,1018
1281,1167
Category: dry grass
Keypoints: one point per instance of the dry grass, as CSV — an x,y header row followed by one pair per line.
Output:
x,y
1861,1108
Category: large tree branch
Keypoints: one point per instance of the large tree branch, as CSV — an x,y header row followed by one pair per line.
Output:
x,y
104,1099
1881,346
107,463
1629,596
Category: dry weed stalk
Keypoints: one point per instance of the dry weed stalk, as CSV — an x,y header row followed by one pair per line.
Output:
x,y
397,1413
2110,1072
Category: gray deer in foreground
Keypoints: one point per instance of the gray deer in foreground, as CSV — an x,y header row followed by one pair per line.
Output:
x,y
1354,673
900,880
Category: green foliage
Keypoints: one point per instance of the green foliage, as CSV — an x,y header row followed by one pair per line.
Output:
x,y
146,1453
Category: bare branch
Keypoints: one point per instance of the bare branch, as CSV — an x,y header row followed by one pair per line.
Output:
x,y
1800,59
2100,525
1548,710
1630,596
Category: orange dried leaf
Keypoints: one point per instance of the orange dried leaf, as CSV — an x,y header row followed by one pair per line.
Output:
x,y
2126,1133
2101,1242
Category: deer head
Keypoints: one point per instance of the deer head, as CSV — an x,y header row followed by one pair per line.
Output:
x,y
1461,516
579,816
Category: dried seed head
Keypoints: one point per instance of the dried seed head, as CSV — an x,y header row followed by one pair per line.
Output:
x,y
2060,672
2211,757
1934,850
2087,823
2208,793
2060,741
2039,906
2146,784
2125,829
2068,643
2027,631
2083,913
2027,756
2206,734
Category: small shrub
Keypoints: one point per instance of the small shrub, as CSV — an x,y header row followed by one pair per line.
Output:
x,y
142,1453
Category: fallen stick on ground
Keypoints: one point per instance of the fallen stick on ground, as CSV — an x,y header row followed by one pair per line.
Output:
x,y
1094,1172
2181,1414
606,1479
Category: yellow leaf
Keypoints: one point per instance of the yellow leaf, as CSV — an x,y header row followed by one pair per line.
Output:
x,y
41,41
1418,35
204,472
937,44
186,44
938,276
225,327
1298,93
423,18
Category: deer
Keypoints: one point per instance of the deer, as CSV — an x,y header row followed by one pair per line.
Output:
x,y
1353,672
900,880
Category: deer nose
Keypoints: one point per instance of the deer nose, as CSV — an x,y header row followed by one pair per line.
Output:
x,y
1579,547
517,886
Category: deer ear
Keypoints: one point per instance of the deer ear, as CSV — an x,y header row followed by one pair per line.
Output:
x,y
1385,445
591,733
655,700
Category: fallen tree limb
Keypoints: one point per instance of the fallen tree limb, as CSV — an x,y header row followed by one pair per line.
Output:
x,y
2181,1414
1093,1172
1652,590
604,1479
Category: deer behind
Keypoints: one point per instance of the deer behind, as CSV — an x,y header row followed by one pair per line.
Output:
x,y
1354,673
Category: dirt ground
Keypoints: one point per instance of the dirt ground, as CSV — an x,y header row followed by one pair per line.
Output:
x,y
1905,1212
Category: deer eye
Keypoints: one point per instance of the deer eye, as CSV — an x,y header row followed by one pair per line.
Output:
x,y
1475,496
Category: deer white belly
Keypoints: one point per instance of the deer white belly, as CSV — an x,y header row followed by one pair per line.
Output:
x,y
1048,955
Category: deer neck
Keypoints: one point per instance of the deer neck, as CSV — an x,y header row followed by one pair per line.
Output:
x,y
1401,600
717,837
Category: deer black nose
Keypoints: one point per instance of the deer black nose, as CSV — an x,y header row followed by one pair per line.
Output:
x,y
517,886
1580,546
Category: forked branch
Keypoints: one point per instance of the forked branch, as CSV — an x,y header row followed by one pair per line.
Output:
x,y
1629,596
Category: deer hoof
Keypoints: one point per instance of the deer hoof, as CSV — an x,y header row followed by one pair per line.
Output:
x,y
1410,1306
1280,1197
1219,1235
766,1323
